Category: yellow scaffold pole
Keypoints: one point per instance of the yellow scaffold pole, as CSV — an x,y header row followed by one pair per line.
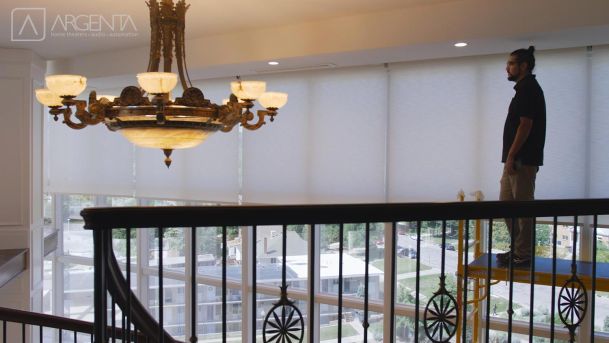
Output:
x,y
477,253
461,285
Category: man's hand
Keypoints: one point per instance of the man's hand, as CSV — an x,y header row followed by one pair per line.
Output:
x,y
509,166
522,133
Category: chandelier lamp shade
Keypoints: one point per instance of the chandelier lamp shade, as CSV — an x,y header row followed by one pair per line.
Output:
x,y
146,114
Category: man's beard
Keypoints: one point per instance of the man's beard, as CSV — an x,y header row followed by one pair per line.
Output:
x,y
512,77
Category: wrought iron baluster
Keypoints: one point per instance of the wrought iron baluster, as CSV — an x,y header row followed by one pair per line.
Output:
x,y
442,312
194,264
573,298
365,324
511,277
99,279
23,332
286,323
553,307
532,299
340,282
465,271
417,283
4,331
593,299
160,232
254,277
127,322
41,334
312,281
113,320
224,250
123,318
76,336
60,335
489,270
393,273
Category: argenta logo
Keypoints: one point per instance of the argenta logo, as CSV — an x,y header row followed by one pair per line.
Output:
x,y
28,24
93,25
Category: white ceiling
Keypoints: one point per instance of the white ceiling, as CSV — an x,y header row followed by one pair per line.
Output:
x,y
204,18
232,37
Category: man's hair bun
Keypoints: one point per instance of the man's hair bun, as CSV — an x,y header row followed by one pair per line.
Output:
x,y
526,56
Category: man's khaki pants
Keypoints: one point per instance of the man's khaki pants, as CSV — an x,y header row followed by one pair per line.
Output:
x,y
519,186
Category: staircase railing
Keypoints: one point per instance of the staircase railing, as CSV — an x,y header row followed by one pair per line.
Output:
x,y
440,317
41,325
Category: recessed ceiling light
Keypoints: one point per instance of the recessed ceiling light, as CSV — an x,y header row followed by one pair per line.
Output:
x,y
273,63
460,44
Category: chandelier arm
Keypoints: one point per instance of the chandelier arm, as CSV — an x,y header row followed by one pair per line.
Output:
x,y
96,113
249,116
67,114
155,37
230,115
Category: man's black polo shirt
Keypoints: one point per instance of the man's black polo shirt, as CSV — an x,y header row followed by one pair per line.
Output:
x,y
528,102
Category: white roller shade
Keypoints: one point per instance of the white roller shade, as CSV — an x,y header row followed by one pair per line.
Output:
x,y
563,77
599,128
326,146
89,161
433,131
447,121
417,131
207,172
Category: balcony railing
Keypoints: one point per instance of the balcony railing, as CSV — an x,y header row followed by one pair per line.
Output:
x,y
442,318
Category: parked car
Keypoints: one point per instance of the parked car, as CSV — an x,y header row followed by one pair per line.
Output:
x,y
403,252
413,254
449,246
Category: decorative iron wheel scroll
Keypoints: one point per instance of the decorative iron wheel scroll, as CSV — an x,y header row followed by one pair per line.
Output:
x,y
572,303
284,322
441,316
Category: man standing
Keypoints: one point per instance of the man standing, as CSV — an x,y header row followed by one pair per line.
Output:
x,y
524,137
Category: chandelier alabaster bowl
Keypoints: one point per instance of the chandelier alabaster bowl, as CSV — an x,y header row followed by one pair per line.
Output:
x,y
146,115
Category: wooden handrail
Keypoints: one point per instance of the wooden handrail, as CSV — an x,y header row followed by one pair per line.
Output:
x,y
46,320
185,216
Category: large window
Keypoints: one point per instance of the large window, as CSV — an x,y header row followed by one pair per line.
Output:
x,y
415,131
69,272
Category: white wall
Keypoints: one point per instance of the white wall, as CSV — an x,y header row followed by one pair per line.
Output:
x,y
21,135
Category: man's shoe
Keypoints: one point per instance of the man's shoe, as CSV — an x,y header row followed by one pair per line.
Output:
x,y
504,258
521,261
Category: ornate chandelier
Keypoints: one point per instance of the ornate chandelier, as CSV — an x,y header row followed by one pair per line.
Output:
x,y
146,115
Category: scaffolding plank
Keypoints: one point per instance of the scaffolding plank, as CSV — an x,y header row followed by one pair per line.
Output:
x,y
543,272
